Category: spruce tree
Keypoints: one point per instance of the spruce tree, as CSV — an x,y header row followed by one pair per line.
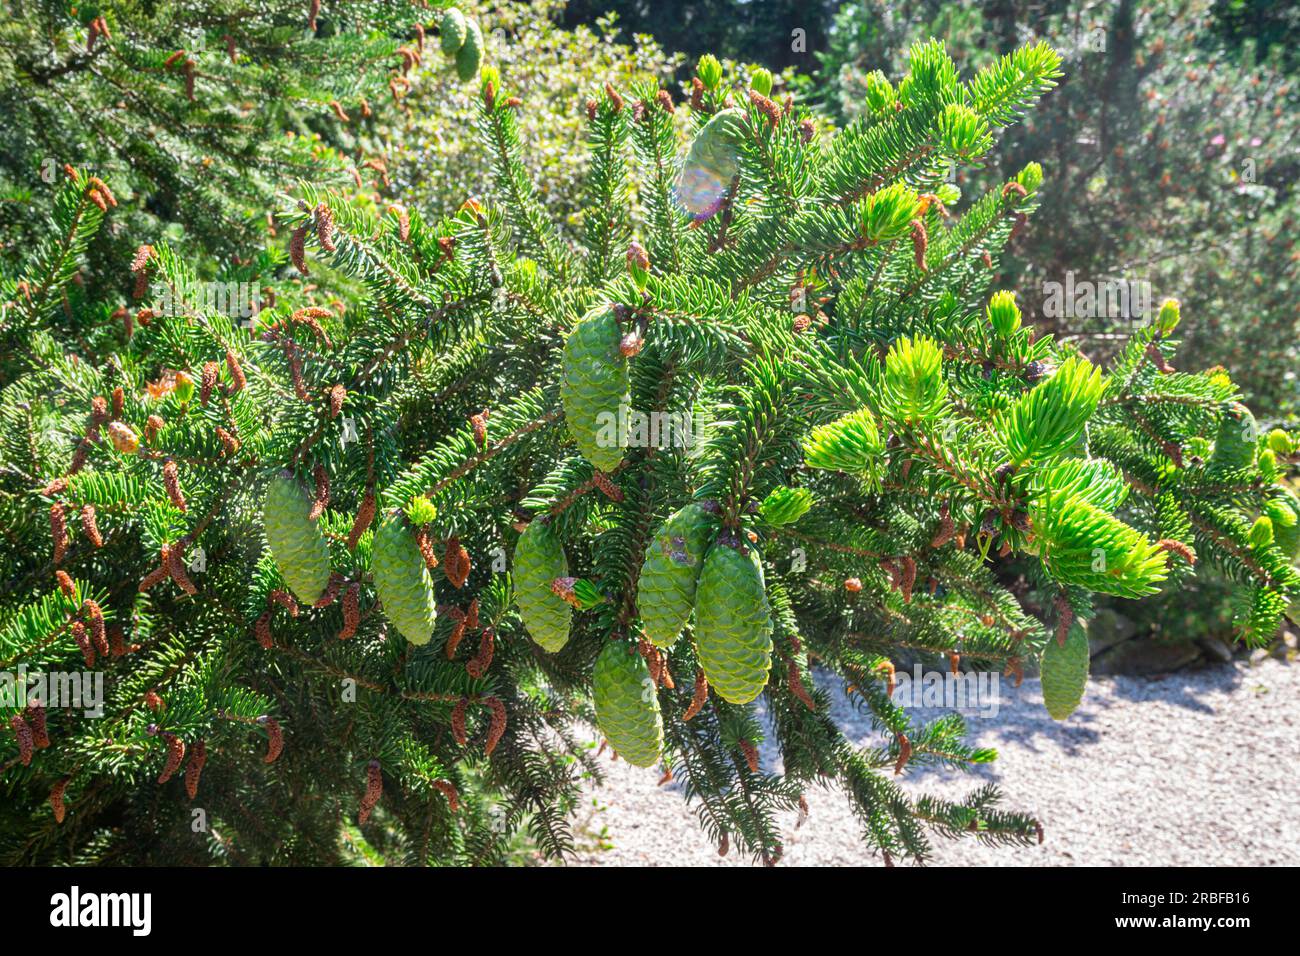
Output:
x,y
369,563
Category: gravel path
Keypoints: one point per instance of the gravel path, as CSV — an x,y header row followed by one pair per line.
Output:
x,y
1197,767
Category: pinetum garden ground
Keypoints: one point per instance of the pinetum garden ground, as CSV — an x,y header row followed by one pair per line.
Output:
x,y
1102,798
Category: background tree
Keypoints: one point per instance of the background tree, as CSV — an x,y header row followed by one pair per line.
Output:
x,y
751,32
436,166
1174,140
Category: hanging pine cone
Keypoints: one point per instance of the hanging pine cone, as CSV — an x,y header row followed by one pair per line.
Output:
x,y
402,582
25,743
325,222
478,425
456,563
298,249
751,754
351,611
158,573
595,384
229,443
331,592
274,738
207,382
797,687
284,599
1064,672
448,790
83,642
175,754
458,721
297,543
538,561
95,615
907,577
425,543
496,725
904,753
477,666
374,790
919,243
56,799
365,515
90,527
946,529
471,615
459,623
59,531
321,500
172,482
262,628
176,569
194,767
35,716
237,379
66,585
890,676
700,697
670,572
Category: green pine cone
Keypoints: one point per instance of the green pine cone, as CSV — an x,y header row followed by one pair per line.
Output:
x,y
403,583
1064,672
673,560
539,559
1234,448
451,31
733,624
711,165
627,706
594,387
470,55
297,544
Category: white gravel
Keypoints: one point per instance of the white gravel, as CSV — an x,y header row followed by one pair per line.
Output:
x,y
1194,768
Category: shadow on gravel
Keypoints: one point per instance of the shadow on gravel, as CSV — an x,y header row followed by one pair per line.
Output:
x,y
1184,688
